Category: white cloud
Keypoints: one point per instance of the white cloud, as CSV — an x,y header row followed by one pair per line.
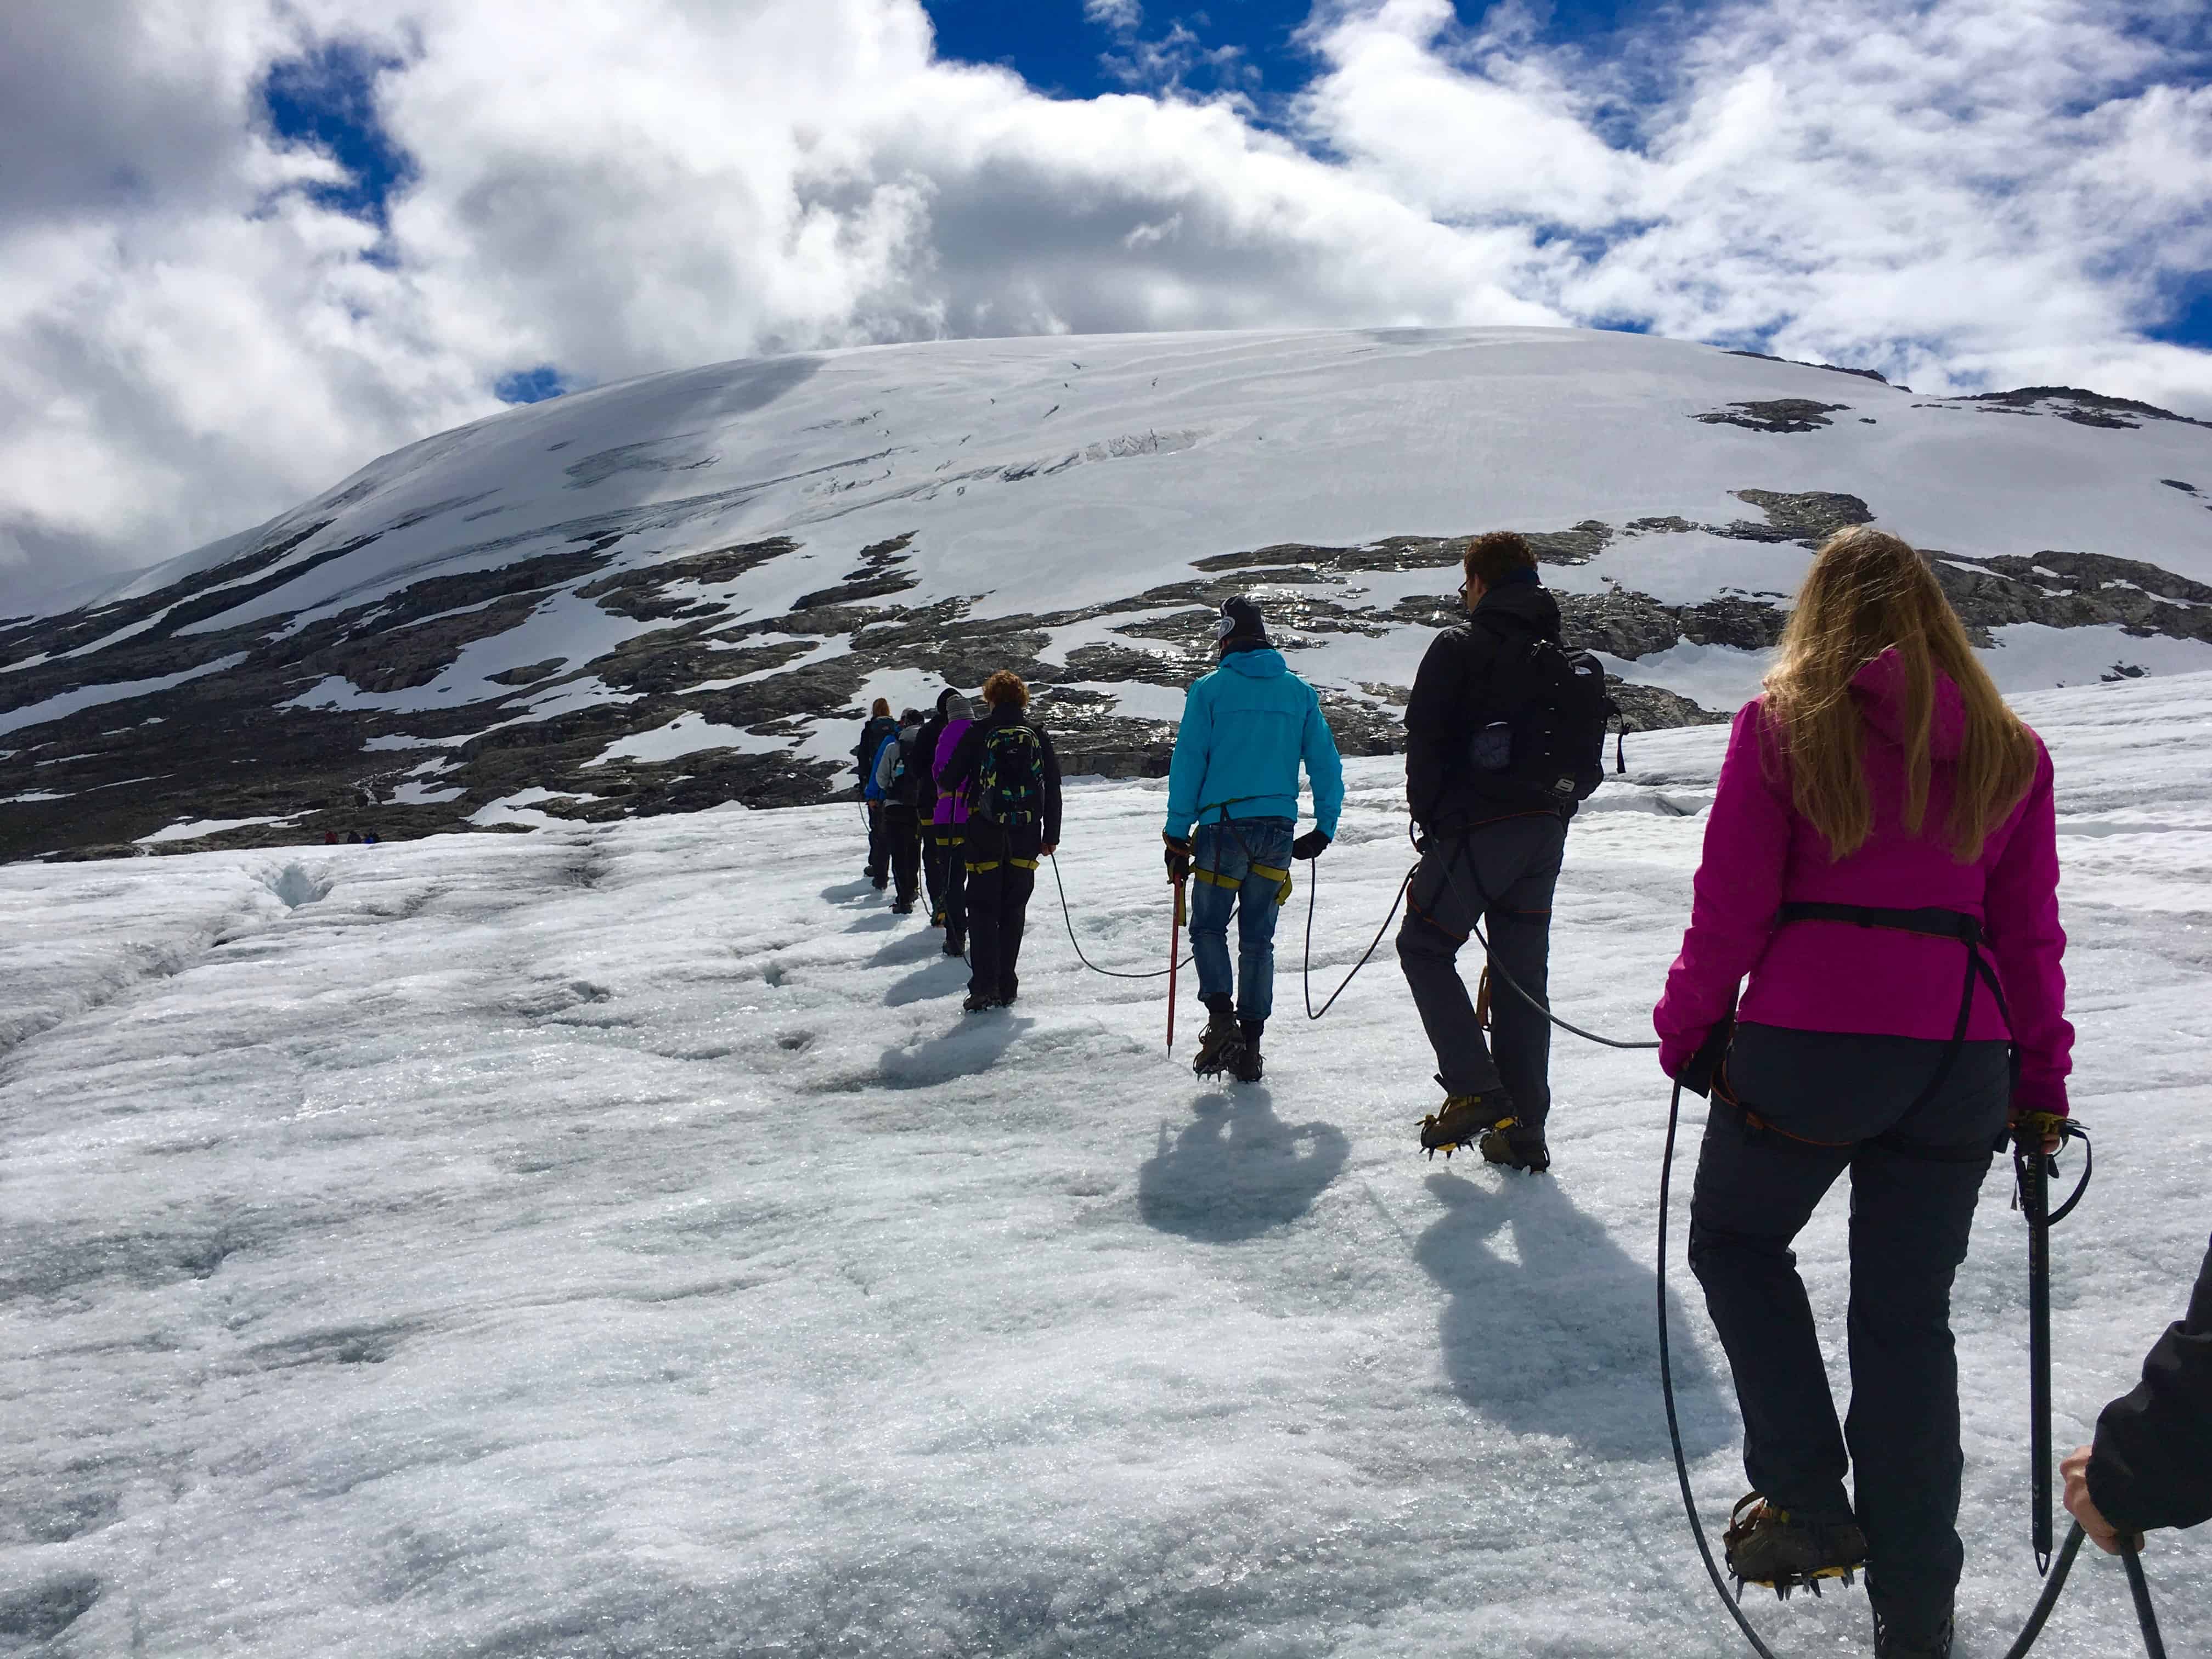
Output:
x,y
1961,192
1125,15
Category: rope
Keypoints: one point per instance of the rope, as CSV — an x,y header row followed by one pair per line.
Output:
x,y
1313,898
1067,916
1513,984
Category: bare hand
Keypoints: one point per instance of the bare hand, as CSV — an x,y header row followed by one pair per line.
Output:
x,y
2079,1504
1048,849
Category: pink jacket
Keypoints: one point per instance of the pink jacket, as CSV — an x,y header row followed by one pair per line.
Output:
x,y
949,811
1835,976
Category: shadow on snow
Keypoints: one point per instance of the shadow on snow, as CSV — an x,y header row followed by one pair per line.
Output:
x,y
973,1046
1549,1325
1238,1170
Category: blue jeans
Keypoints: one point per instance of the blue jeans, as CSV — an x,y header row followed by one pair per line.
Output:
x,y
1228,851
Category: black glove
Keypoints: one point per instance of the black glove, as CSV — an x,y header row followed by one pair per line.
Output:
x,y
1698,1076
1311,845
1178,858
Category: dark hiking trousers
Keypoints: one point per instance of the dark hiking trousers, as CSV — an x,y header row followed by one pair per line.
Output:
x,y
879,847
1002,864
902,841
1808,1106
950,842
1503,874
933,866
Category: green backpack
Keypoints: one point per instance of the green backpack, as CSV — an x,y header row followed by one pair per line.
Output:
x,y
1010,780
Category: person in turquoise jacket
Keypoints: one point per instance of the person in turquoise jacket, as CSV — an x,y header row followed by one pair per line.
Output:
x,y
1246,727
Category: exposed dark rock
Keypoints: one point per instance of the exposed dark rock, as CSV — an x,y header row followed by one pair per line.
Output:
x,y
2081,407
1832,369
1650,708
2176,483
230,744
530,673
1814,514
1775,414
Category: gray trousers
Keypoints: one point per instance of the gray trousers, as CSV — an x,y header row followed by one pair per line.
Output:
x,y
1502,874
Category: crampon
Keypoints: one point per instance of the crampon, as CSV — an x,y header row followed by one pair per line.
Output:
x,y
1767,1546
1463,1121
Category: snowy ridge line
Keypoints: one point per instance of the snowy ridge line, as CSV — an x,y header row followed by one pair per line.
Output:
x,y
707,553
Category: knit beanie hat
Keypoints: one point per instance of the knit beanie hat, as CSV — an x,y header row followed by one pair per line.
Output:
x,y
955,706
1240,619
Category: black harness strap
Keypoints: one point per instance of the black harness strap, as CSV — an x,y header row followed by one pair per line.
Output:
x,y
1931,921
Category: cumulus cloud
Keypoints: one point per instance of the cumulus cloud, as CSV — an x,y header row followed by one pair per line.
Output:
x,y
197,329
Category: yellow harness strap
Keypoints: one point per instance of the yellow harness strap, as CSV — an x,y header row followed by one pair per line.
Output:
x,y
974,869
1281,877
1023,864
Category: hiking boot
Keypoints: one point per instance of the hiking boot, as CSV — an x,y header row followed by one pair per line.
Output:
x,y
1515,1147
880,882
1766,1545
1221,1044
1462,1118
1008,992
978,1002
1247,1070
955,946
1888,1644
902,908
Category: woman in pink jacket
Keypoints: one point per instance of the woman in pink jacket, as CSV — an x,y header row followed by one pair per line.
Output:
x,y
1881,862
950,824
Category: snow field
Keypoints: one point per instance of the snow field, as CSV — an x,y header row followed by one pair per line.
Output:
x,y
613,1241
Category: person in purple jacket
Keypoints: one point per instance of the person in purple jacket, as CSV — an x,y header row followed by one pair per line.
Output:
x,y
1882,833
949,824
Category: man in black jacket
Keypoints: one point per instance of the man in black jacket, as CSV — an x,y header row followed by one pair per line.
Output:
x,y
1491,851
2151,1465
1012,788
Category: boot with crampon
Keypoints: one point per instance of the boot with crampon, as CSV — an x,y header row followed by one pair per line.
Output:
x,y
1463,1120
1513,1145
1221,1045
1767,1545
1247,1070
1888,1644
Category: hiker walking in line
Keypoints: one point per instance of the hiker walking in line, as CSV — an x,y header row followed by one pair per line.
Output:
x,y
949,825
900,769
925,806
1504,734
2151,1464
1879,811
879,729
1004,767
1246,728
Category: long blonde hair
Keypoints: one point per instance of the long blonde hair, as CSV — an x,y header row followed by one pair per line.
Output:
x,y
1868,592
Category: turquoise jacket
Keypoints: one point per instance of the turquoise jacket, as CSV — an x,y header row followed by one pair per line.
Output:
x,y
1245,728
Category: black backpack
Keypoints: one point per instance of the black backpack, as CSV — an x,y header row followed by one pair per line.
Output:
x,y
1009,777
1545,739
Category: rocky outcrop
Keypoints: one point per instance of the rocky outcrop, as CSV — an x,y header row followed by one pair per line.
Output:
x,y
240,723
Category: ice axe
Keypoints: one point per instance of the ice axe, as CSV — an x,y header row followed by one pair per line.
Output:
x,y
1175,953
2033,1169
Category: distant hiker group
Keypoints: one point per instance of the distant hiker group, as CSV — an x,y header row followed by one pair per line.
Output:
x,y
1869,982
968,805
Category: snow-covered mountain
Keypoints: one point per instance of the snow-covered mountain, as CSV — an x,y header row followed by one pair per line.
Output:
x,y
614,1243
683,589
